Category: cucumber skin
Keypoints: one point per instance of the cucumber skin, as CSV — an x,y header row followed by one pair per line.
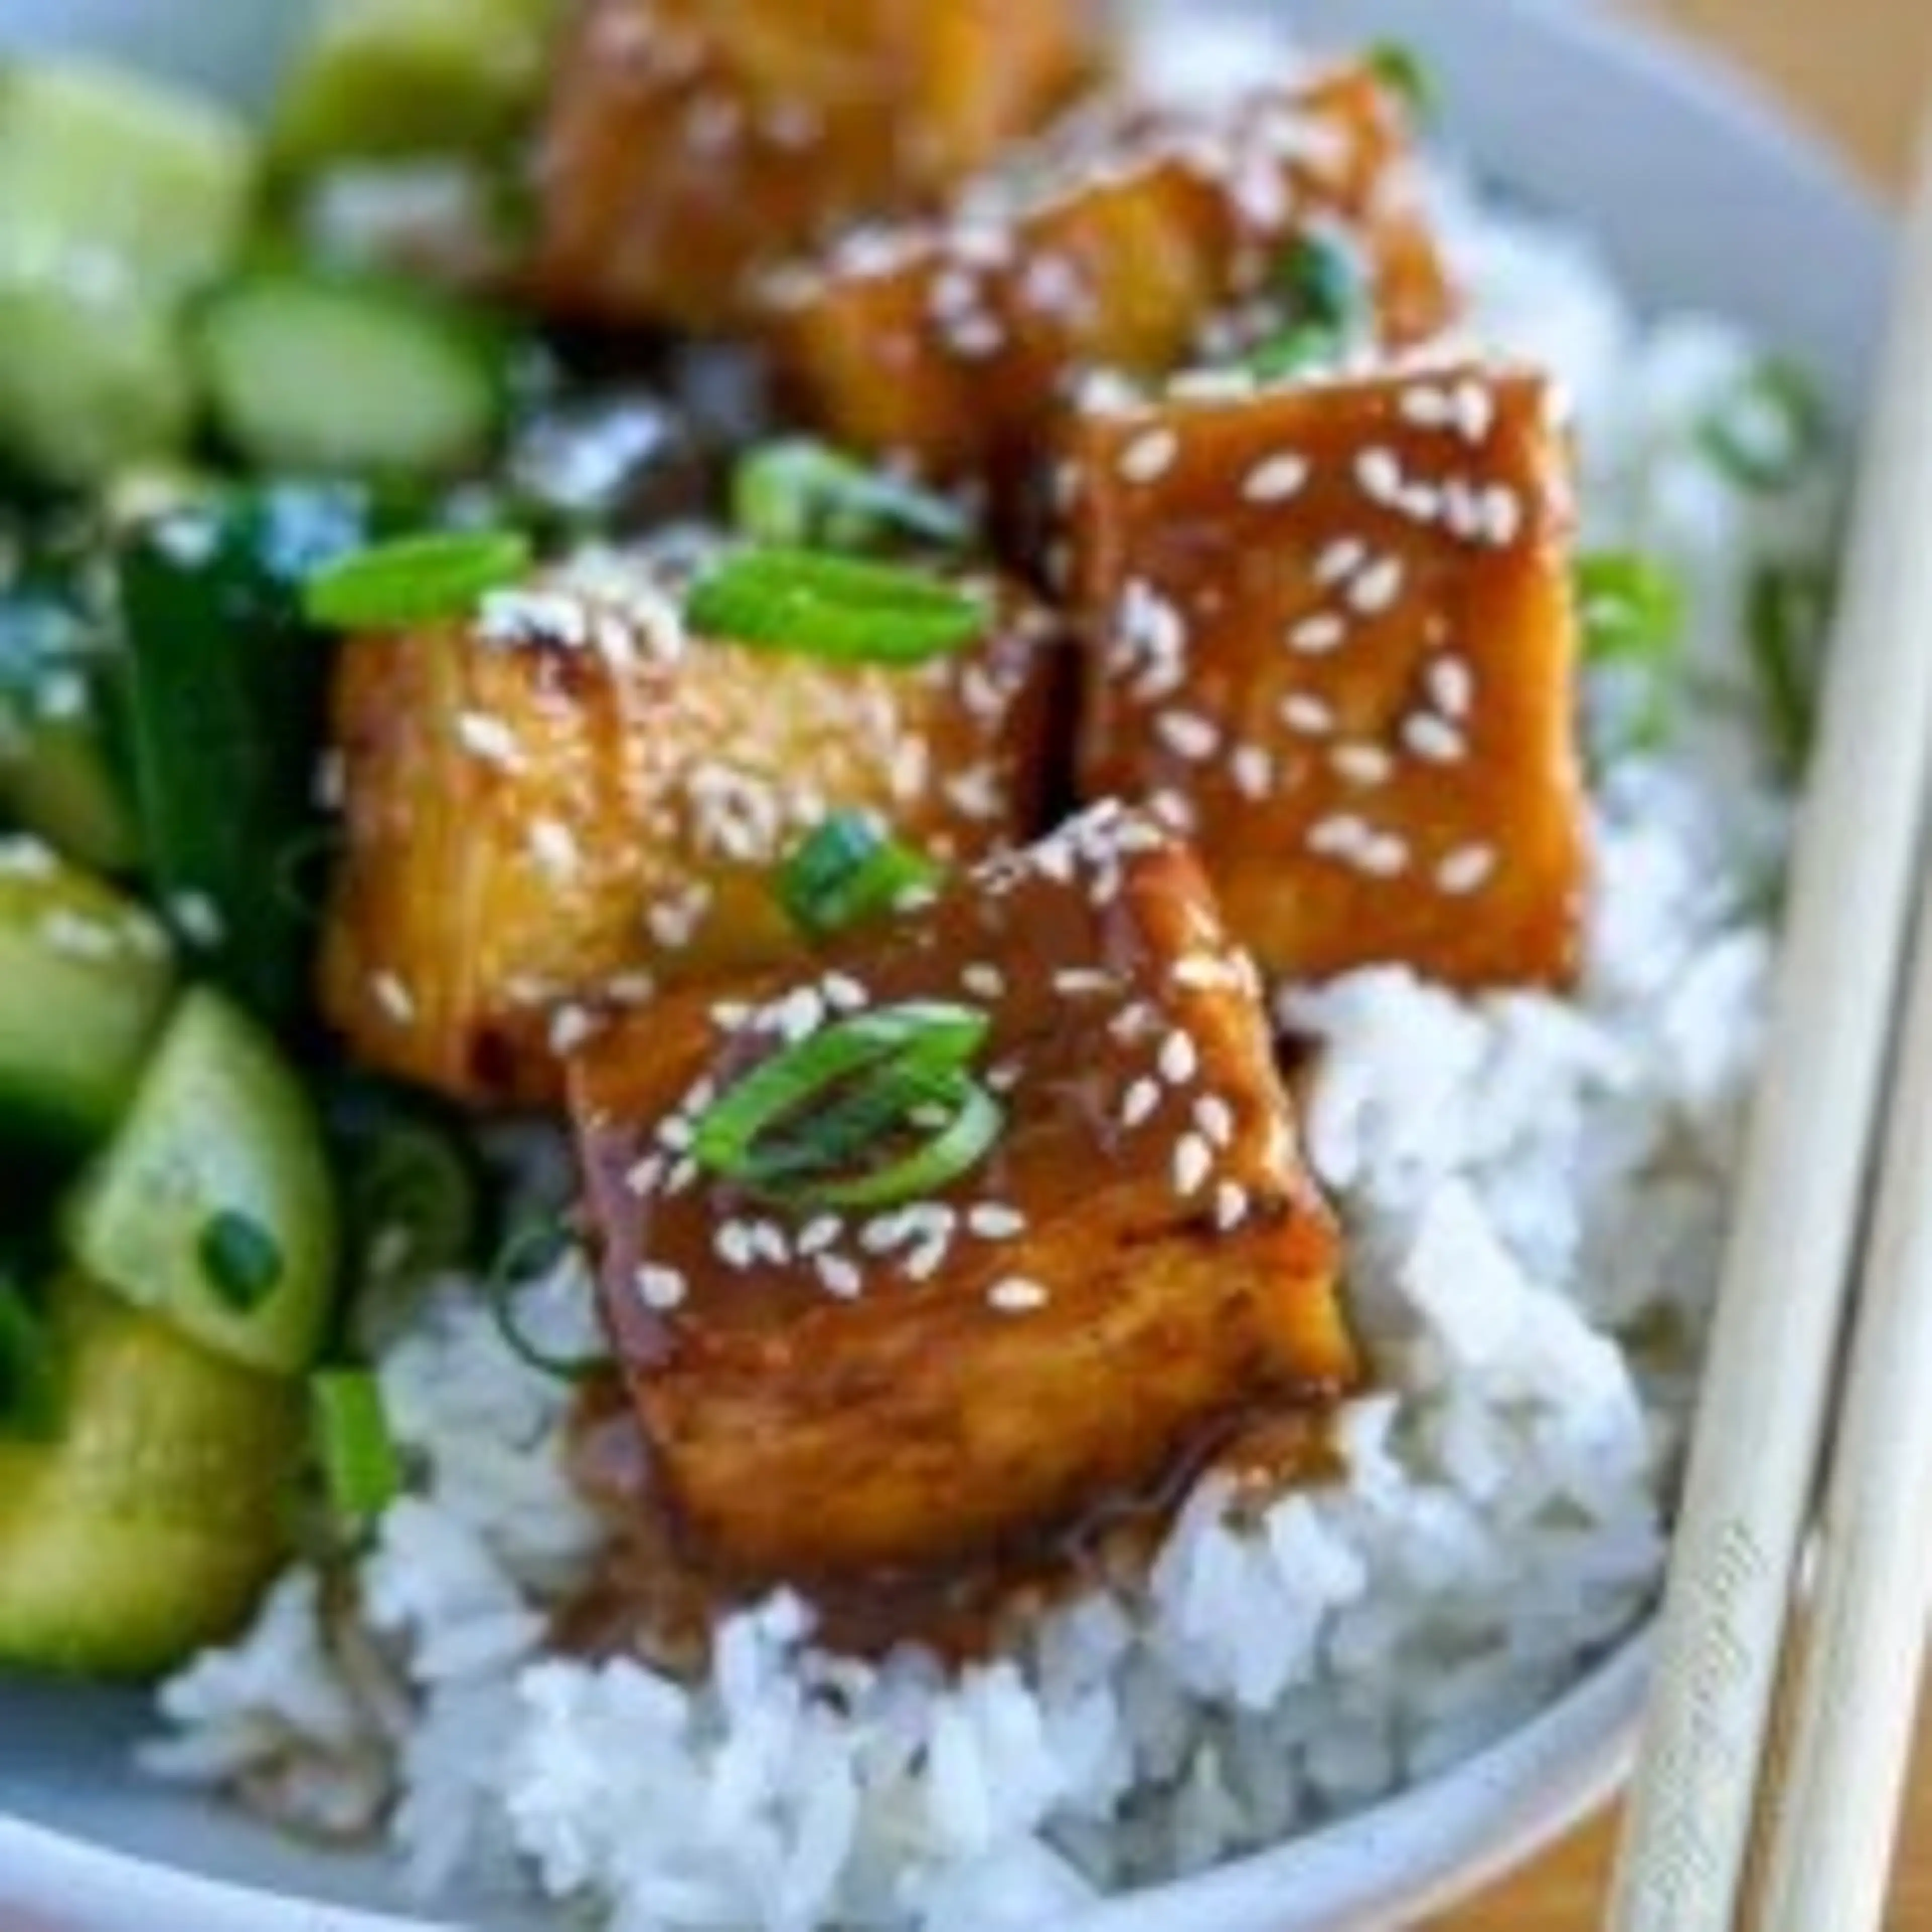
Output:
x,y
227,691
220,1121
151,1528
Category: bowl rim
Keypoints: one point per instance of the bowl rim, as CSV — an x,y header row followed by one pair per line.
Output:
x,y
1448,1836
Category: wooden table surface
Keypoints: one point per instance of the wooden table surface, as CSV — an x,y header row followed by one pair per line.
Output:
x,y
1858,70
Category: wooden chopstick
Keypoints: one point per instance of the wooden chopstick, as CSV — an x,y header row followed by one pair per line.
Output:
x,y
1774,1344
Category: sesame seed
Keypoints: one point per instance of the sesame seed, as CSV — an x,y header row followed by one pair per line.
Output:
x,y
1475,411
800,1014
1193,1159
1180,1058
1433,739
487,740
1383,856
1379,473
1275,479
1187,735
393,997
683,1175
660,1288
1340,835
1502,515
1149,455
570,1026
1378,588
984,981
1307,715
1215,1119
769,1243
1014,1294
733,1244
1253,772
993,1221
554,847
1452,685
1340,560
1141,1101
1426,407
819,1233
643,1178
330,785
1362,764
1315,636
844,993
1230,1206
1083,982
838,1277
1466,869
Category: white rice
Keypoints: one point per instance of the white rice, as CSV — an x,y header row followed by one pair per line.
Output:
x,y
1534,1192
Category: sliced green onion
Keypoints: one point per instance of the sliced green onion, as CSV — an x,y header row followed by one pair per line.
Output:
x,y
1293,352
414,580
832,606
1632,607
1321,279
880,1104
1790,607
241,1261
1770,426
361,1468
1404,71
954,1149
934,1035
30,1395
529,1253
413,1210
847,871
807,495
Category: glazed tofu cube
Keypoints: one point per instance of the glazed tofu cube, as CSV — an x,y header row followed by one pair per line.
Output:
x,y
568,804
1131,242
1330,634
1137,1269
688,144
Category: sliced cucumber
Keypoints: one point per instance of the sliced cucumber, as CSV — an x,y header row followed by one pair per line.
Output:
x,y
342,371
60,774
389,77
148,1527
120,197
84,978
213,1206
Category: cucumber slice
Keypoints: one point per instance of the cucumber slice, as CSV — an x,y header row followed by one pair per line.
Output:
x,y
60,775
213,1206
85,979
149,1527
394,77
336,371
120,196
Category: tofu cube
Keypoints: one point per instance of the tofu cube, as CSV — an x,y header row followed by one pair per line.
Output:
x,y
688,146
1138,1269
567,804
1130,242
1330,634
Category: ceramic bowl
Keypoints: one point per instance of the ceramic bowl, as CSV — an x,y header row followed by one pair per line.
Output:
x,y
1702,195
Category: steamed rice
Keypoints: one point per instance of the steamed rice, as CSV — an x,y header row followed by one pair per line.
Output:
x,y
1534,1192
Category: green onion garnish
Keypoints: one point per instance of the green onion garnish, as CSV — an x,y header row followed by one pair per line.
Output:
x,y
415,580
809,495
832,606
1632,607
1321,279
1767,429
529,1253
847,871
799,1126
1403,70
30,1396
1789,609
361,1468
241,1260
1293,352
412,1207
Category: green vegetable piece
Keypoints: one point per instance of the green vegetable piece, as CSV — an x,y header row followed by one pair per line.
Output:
x,y
807,495
149,1527
361,1468
1405,73
1322,280
847,871
351,372
413,77
1768,430
214,1207
30,1380
1296,351
528,1255
120,197
1633,608
835,608
226,690
62,768
1790,608
85,977
415,580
